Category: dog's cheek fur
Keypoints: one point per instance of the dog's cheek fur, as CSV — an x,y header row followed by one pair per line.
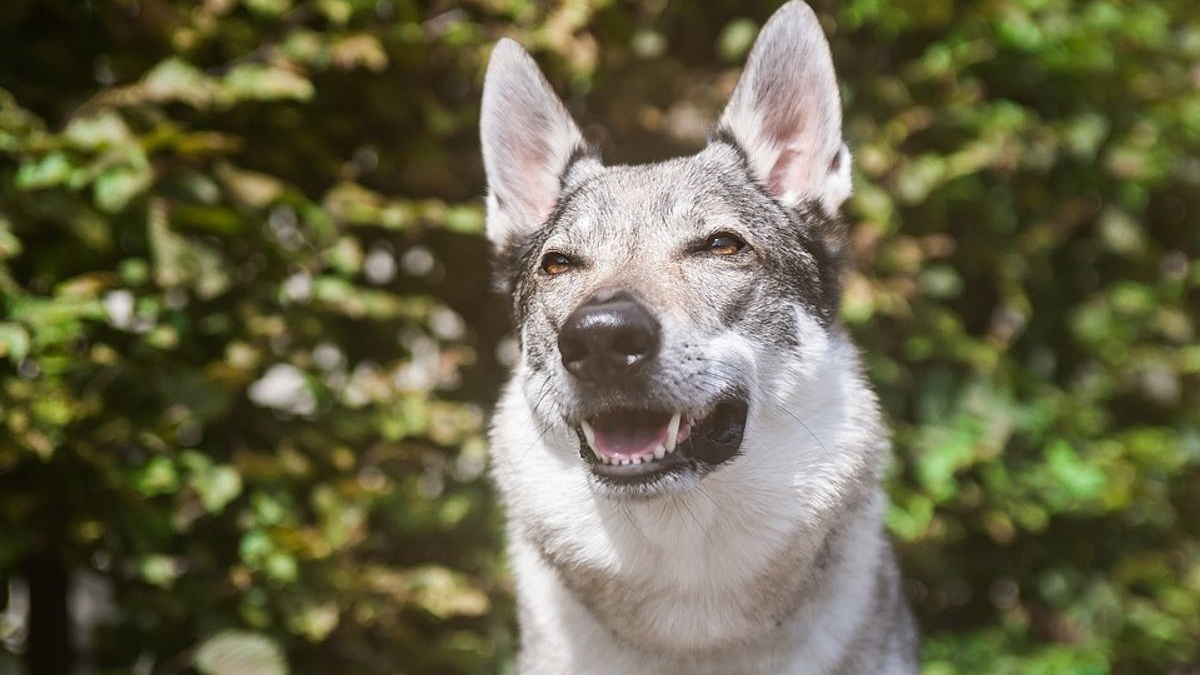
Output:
x,y
802,275
515,270
817,281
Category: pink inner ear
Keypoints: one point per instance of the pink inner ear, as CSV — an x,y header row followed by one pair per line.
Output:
x,y
791,173
539,188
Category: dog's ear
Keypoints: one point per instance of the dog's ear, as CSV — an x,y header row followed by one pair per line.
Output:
x,y
528,140
786,112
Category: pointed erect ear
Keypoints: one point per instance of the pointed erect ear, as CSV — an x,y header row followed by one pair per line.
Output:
x,y
528,141
786,112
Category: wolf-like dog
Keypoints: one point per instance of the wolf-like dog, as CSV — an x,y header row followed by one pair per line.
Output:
x,y
688,452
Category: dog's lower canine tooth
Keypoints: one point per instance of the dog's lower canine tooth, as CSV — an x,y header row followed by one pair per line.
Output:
x,y
673,432
659,452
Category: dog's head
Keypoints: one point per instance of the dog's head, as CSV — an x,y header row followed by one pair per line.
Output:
x,y
663,306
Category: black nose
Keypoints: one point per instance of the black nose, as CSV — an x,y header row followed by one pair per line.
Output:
x,y
608,338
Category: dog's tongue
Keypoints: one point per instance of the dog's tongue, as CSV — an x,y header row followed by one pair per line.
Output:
x,y
625,435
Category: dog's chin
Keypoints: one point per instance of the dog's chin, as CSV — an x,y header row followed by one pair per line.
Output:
x,y
644,453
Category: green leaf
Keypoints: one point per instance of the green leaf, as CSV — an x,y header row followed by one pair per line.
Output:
x,y
444,592
240,653
218,487
14,341
179,261
115,188
465,219
54,321
160,570
315,621
53,169
271,8
249,187
735,39
1079,479
159,476
10,245
105,129
262,82
177,80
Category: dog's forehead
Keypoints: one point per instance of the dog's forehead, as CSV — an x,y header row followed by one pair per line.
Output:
x,y
674,197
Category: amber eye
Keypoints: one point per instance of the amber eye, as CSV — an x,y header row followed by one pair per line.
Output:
x,y
724,243
556,263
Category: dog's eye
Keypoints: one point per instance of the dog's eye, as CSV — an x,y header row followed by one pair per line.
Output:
x,y
556,263
724,243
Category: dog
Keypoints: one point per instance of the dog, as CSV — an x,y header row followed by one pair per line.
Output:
x,y
687,451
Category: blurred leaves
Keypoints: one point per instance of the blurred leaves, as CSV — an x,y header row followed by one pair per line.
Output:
x,y
227,366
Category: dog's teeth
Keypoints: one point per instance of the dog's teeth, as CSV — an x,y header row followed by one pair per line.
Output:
x,y
590,436
660,452
672,433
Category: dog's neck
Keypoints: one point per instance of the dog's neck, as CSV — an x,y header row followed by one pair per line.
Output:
x,y
808,593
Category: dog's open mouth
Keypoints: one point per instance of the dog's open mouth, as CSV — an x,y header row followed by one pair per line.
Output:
x,y
639,447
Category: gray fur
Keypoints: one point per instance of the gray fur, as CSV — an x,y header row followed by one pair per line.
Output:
x,y
776,560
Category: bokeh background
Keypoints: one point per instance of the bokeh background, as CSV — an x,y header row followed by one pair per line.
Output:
x,y
248,343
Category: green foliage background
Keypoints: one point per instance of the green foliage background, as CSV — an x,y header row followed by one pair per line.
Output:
x,y
249,347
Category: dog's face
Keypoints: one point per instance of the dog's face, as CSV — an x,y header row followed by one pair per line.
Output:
x,y
664,308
